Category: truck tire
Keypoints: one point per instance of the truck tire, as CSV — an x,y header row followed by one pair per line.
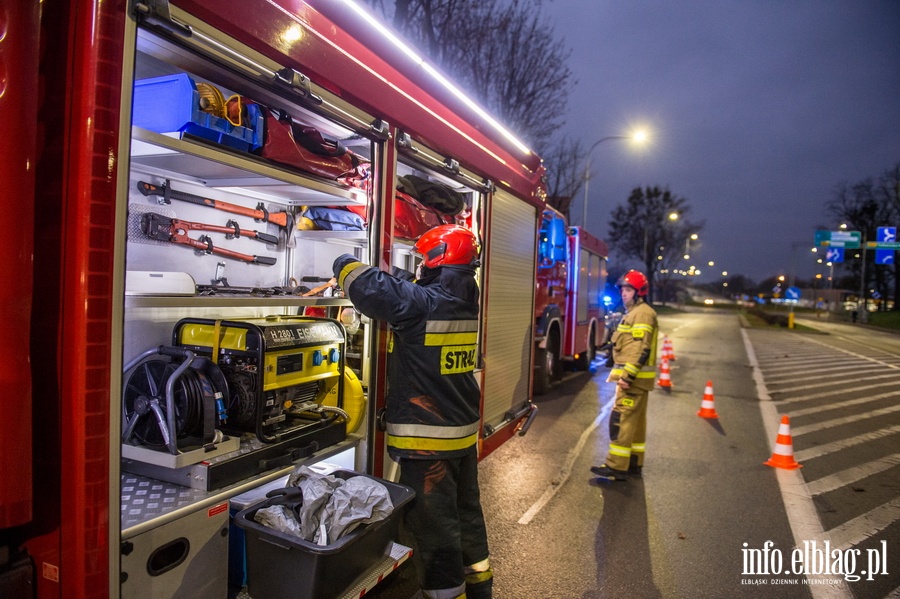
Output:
x,y
583,362
543,367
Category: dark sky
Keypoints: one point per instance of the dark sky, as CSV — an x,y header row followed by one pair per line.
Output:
x,y
757,109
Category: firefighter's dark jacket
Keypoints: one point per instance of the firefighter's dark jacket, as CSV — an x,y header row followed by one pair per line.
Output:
x,y
432,398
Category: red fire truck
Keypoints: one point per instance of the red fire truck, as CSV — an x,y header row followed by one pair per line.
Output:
x,y
568,310
177,170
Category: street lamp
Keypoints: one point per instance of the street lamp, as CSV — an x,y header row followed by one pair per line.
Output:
x,y
639,136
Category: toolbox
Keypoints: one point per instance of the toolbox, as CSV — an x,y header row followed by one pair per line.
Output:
x,y
283,566
171,104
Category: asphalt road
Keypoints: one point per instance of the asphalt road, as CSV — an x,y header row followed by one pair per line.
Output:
x,y
708,518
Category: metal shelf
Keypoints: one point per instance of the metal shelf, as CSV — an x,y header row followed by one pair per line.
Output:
x,y
242,174
233,301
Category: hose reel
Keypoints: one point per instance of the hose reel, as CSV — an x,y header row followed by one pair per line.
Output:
x,y
172,398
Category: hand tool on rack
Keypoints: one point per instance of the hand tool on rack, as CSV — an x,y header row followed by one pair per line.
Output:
x,y
231,228
156,226
283,219
329,282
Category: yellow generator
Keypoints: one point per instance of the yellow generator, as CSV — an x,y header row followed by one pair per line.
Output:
x,y
234,398
279,370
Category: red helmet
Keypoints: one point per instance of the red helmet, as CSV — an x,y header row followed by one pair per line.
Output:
x,y
447,244
636,280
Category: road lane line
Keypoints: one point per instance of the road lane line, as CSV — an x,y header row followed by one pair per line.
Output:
x,y
566,469
798,505
852,475
835,446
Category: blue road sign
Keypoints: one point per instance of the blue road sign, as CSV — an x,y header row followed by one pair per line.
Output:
x,y
792,294
886,234
834,254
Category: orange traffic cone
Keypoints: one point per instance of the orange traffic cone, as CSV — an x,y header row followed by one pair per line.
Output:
x,y
665,378
707,406
668,350
783,455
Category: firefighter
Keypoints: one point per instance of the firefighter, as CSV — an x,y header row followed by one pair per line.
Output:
x,y
634,372
432,404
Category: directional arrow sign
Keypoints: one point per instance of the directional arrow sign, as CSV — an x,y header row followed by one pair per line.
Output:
x,y
886,234
834,254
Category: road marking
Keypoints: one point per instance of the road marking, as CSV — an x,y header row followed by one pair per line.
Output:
x,y
824,383
861,356
834,446
864,526
829,394
818,426
798,504
566,469
851,475
852,402
832,371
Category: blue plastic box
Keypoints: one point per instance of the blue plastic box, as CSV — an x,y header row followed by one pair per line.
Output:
x,y
171,104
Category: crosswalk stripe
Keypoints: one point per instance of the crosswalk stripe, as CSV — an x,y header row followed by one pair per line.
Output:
x,y
818,426
855,531
835,446
828,394
831,384
831,372
851,475
844,404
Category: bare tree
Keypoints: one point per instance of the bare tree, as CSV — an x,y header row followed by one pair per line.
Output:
x,y
563,159
889,191
646,232
865,206
501,51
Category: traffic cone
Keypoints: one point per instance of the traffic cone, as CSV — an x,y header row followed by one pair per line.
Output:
x,y
783,455
707,406
668,350
665,378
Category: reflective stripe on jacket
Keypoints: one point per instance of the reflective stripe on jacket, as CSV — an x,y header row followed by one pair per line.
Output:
x,y
433,398
634,346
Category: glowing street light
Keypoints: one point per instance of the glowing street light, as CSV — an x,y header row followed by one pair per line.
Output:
x,y
639,136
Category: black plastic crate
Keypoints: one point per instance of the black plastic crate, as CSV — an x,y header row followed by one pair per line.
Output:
x,y
282,566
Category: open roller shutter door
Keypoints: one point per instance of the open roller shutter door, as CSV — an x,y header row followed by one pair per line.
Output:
x,y
510,306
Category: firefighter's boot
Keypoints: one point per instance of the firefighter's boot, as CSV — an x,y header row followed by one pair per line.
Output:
x,y
607,473
479,583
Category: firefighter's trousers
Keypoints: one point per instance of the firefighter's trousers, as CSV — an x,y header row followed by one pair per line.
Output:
x,y
447,526
628,428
